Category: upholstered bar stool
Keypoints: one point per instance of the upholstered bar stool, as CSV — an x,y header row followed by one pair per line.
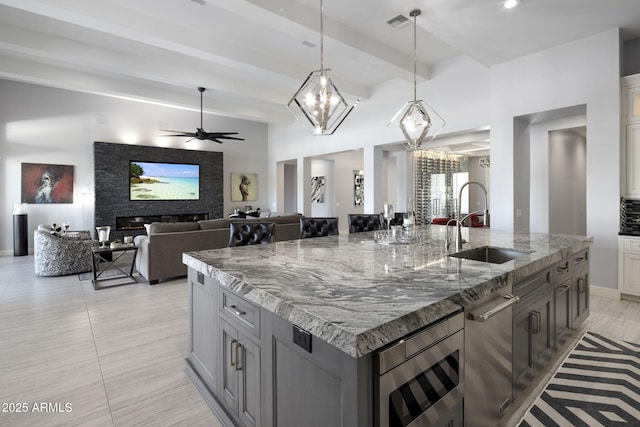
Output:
x,y
364,222
251,233
318,227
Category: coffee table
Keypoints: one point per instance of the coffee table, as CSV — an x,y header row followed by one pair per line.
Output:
x,y
105,259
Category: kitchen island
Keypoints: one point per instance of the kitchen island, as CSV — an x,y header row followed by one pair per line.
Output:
x,y
285,334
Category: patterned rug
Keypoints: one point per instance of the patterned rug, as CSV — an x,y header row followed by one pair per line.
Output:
x,y
598,384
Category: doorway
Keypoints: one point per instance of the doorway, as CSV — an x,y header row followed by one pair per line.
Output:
x,y
568,181
551,153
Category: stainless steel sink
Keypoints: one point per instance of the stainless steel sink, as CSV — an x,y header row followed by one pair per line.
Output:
x,y
490,254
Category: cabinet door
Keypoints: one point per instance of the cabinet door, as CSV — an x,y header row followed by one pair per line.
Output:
x,y
522,350
633,160
631,273
202,328
542,331
579,297
562,309
632,100
240,374
229,355
249,380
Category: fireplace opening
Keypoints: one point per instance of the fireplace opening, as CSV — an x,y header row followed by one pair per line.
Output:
x,y
124,223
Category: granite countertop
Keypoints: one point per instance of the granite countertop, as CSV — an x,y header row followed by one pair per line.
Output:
x,y
359,295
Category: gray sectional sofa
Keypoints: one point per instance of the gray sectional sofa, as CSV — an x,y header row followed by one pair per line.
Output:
x,y
160,250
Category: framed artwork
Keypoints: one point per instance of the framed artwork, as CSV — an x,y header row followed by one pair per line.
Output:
x,y
244,187
44,183
358,188
318,189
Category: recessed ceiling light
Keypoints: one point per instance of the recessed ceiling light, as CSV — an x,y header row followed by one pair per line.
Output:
x,y
510,4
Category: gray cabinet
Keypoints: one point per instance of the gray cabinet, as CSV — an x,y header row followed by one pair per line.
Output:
x,y
552,305
561,302
203,352
318,388
579,288
532,328
240,373
562,313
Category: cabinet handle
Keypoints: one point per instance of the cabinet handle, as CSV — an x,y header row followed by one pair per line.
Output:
x,y
238,347
563,269
580,259
510,300
581,285
562,289
237,311
234,353
537,322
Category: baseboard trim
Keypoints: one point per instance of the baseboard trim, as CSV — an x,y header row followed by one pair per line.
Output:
x,y
9,252
604,292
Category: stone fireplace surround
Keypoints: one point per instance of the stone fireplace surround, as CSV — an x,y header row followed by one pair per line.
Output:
x,y
111,178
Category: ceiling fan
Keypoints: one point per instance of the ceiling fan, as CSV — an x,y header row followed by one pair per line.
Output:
x,y
201,134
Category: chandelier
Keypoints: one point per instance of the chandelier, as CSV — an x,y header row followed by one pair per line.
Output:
x,y
418,121
318,104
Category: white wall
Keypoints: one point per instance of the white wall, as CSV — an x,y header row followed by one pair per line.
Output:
x,y
583,72
46,125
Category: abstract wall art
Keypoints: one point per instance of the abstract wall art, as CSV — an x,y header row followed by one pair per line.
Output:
x,y
318,189
44,183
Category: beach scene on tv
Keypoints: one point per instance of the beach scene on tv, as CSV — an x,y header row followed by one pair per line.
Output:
x,y
164,181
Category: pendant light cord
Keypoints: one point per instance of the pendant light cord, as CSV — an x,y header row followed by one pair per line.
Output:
x,y
321,37
415,14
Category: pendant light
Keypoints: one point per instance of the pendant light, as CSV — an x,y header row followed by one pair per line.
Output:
x,y
318,104
418,121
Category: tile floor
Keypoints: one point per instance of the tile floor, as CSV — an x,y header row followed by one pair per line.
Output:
x,y
115,357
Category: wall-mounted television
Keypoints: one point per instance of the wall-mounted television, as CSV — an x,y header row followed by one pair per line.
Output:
x,y
163,181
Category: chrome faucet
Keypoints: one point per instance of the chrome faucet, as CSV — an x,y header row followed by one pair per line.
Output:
x,y
459,220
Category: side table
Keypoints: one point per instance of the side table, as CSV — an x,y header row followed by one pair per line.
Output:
x,y
105,259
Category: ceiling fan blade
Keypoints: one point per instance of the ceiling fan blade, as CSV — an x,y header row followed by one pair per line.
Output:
x,y
200,133
224,135
179,133
231,137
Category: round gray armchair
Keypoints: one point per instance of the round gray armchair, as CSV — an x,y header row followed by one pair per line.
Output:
x,y
58,255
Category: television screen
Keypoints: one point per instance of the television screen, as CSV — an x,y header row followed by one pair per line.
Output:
x,y
163,181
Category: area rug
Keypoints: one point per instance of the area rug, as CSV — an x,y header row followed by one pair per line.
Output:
x,y
598,384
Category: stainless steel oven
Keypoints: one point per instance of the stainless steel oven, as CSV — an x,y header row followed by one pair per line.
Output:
x,y
418,380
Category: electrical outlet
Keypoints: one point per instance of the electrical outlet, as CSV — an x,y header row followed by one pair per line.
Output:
x,y
302,338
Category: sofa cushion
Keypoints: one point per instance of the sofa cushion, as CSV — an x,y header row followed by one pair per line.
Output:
x,y
172,227
286,219
210,224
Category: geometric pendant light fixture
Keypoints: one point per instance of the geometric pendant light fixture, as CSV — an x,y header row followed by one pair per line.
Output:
x,y
318,104
417,120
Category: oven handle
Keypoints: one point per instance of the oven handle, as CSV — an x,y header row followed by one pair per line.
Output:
x,y
510,300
